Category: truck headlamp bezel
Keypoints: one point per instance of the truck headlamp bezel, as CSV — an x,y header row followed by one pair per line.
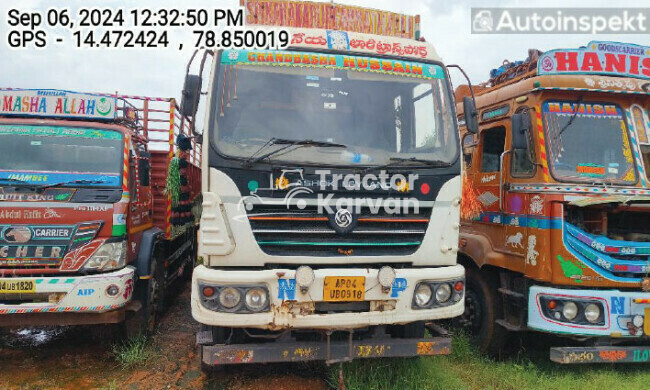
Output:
x,y
436,300
110,256
554,308
213,302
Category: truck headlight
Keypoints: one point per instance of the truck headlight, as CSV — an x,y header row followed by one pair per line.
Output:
x,y
443,293
592,313
229,297
570,310
109,256
256,299
423,294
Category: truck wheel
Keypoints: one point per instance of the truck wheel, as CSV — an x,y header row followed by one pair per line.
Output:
x,y
148,292
193,258
159,275
483,306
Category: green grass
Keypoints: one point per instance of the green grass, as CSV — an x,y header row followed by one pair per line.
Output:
x,y
465,368
133,352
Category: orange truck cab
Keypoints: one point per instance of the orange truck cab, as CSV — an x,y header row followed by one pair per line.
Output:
x,y
88,231
554,232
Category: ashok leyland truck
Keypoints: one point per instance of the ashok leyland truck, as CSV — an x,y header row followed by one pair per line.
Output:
x,y
331,191
90,230
559,242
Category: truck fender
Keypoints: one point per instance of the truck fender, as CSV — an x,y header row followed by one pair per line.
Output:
x,y
143,262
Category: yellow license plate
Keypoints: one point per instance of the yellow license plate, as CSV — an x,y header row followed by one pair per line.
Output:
x,y
344,288
17,286
646,323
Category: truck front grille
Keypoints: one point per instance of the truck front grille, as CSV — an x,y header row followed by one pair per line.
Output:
x,y
292,231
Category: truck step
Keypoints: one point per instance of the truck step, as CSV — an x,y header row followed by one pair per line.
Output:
x,y
510,327
511,293
436,329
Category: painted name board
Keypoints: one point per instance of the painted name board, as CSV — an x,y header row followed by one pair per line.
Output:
x,y
604,58
330,16
55,103
596,110
316,60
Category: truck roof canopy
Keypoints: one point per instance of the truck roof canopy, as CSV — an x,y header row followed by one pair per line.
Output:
x,y
598,67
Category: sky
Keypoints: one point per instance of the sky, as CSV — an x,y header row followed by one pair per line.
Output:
x,y
160,72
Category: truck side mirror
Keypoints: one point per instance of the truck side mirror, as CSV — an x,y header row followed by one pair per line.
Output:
x,y
520,127
144,168
471,115
468,147
191,95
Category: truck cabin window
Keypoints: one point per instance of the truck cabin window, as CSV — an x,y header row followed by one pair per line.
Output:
x,y
493,146
376,115
60,155
588,142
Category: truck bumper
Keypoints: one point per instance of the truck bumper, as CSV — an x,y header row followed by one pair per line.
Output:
x,y
329,351
68,300
603,354
617,323
292,309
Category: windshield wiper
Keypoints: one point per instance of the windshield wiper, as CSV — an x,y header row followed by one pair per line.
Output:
x,y
81,181
573,117
287,144
11,179
395,161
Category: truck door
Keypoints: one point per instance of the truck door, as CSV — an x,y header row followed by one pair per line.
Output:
x,y
516,208
140,218
492,145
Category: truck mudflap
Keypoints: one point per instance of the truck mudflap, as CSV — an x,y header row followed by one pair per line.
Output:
x,y
328,351
601,354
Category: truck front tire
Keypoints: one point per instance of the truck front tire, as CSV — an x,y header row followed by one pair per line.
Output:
x,y
483,307
148,292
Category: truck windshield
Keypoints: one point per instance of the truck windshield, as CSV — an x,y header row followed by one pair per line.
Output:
x,y
55,154
377,108
588,142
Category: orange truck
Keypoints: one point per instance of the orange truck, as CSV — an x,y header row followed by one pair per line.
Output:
x,y
554,233
92,228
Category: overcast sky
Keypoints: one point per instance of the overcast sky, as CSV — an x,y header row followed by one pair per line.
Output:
x,y
446,24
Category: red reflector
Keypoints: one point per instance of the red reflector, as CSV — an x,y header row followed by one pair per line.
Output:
x,y
458,286
552,305
208,292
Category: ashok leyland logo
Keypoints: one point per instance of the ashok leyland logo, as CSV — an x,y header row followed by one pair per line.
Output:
x,y
343,221
343,218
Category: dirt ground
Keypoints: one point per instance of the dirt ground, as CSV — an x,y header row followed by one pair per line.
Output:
x,y
81,358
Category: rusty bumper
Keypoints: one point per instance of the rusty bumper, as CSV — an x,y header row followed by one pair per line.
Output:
x,y
602,354
60,319
334,351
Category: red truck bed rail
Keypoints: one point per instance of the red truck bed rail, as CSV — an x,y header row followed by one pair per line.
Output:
x,y
158,124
